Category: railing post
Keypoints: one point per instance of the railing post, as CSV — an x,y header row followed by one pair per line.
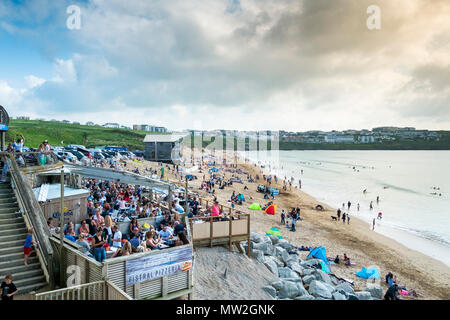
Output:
x,y
231,232
248,236
211,231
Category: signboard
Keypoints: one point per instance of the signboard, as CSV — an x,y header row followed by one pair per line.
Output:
x,y
3,127
4,119
158,265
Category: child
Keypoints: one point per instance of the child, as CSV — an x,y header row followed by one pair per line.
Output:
x,y
8,288
27,245
283,217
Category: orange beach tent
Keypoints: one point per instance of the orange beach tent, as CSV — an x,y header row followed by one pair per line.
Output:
x,y
272,209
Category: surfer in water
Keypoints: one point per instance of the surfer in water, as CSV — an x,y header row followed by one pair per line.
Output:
x,y
378,199
371,205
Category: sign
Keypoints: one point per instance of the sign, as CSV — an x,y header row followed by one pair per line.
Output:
x,y
158,265
4,119
3,127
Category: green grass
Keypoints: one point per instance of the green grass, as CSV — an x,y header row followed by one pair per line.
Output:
x,y
36,131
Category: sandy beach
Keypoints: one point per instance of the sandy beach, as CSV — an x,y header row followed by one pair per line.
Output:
x,y
428,277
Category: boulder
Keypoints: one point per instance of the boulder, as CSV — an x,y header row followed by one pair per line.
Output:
x,y
363,295
338,296
319,289
345,286
334,280
375,291
296,268
272,266
293,279
274,239
258,255
270,290
305,297
284,256
330,287
279,251
322,276
308,279
277,261
286,245
352,297
277,284
260,246
270,250
256,237
286,273
312,263
301,289
288,290
245,246
307,271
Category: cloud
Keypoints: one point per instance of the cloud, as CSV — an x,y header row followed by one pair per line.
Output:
x,y
297,65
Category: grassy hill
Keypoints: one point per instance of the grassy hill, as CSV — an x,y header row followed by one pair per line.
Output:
x,y
36,131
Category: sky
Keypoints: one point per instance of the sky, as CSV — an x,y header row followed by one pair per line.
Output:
x,y
229,64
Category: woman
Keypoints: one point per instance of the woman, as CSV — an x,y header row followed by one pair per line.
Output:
x,y
124,251
152,241
108,225
69,230
84,229
84,244
97,243
134,223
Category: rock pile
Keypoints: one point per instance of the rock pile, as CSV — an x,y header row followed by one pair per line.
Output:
x,y
301,280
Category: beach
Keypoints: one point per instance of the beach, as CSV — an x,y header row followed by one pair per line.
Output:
x,y
428,277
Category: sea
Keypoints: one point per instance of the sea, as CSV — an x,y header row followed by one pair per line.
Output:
x,y
413,189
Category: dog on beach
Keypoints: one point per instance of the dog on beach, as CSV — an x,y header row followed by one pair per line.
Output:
x,y
334,218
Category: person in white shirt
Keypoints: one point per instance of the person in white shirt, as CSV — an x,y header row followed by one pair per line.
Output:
x,y
117,239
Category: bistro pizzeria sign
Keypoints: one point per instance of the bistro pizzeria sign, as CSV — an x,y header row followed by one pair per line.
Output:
x,y
158,265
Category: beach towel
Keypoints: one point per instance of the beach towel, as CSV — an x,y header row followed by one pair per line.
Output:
x,y
275,232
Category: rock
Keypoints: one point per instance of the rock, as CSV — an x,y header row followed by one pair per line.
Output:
x,y
288,290
319,289
363,295
375,291
322,276
345,286
296,268
312,263
279,251
277,284
293,280
284,256
272,266
276,261
286,245
308,279
245,246
274,239
267,239
287,273
307,271
352,297
334,280
330,287
305,297
320,298
270,250
261,246
256,237
301,289
270,290
258,255
338,296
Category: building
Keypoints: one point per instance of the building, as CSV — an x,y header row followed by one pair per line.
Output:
x,y
75,122
23,118
149,128
366,139
162,147
111,125
339,139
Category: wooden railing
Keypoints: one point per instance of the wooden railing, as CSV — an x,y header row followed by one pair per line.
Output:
x,y
99,290
216,231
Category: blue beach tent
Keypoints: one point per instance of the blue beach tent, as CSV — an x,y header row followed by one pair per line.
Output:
x,y
369,273
320,253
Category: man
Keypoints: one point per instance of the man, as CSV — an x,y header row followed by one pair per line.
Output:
x,y
165,234
178,227
339,214
90,222
8,289
392,293
294,219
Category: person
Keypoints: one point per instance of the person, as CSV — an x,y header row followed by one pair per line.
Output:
x,y
371,205
339,214
283,216
91,224
294,219
358,206
69,229
50,225
215,209
108,228
348,263
390,279
343,218
84,244
178,227
392,293
345,257
27,247
165,233
373,224
348,218
349,205
182,239
336,260
134,224
18,147
9,289
152,241
84,228
126,250
97,243
117,238
380,215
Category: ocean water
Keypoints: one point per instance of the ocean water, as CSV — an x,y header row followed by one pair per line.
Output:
x,y
404,181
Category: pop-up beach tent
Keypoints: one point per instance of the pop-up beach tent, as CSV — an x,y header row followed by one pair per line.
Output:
x,y
240,196
214,169
275,232
273,190
255,206
272,209
320,253
369,273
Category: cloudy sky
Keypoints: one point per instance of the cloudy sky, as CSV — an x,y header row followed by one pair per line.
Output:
x,y
233,64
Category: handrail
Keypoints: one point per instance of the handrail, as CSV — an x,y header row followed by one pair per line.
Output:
x,y
33,212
